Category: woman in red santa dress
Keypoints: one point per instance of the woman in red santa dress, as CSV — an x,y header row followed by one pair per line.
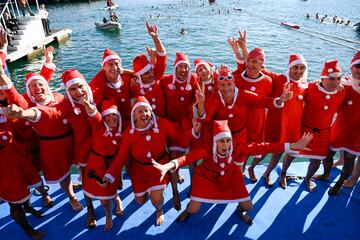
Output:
x,y
106,136
145,140
232,104
217,179
345,131
150,72
322,100
17,175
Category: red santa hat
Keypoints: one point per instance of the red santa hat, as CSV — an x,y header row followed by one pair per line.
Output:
x,y
110,55
355,60
142,101
296,59
109,107
181,58
201,62
331,69
71,77
29,77
221,130
258,54
141,65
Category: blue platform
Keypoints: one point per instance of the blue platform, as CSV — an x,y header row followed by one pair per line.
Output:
x,y
293,214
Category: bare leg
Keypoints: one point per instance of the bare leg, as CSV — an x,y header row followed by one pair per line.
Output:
x,y
175,178
91,219
66,185
141,200
29,209
157,200
254,162
48,202
340,161
275,158
349,160
328,163
244,207
286,164
312,168
119,207
192,208
18,214
108,206
354,175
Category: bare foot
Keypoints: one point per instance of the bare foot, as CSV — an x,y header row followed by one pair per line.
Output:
x,y
181,179
91,220
283,182
311,187
75,204
252,176
349,183
338,163
183,216
160,218
119,207
108,223
36,234
323,177
33,211
244,216
48,202
268,180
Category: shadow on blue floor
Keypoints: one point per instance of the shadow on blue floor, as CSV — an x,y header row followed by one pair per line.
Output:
x,y
292,213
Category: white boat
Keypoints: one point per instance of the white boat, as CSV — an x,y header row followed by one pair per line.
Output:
x,y
109,25
112,7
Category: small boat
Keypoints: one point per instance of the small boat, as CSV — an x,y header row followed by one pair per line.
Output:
x,y
212,1
109,25
112,7
290,25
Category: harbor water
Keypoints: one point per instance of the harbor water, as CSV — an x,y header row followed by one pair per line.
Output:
x,y
207,26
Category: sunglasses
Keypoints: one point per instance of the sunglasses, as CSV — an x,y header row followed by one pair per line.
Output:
x,y
357,65
221,78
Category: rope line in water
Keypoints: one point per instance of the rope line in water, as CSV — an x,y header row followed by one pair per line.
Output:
x,y
307,31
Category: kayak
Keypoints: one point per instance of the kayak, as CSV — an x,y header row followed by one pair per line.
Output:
x,y
290,25
108,25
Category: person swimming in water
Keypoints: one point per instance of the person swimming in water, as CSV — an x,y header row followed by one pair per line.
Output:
x,y
183,31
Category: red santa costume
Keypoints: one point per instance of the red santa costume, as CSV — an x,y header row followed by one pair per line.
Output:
x,y
236,112
262,85
142,145
17,174
284,124
119,91
180,97
105,145
152,91
77,116
345,131
211,84
217,179
320,108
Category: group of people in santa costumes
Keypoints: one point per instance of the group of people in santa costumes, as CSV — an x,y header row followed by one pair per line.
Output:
x,y
219,114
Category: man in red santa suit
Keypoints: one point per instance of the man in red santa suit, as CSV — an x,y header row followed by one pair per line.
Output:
x,y
322,101
149,74
179,89
112,81
217,179
284,124
145,141
106,136
345,135
234,105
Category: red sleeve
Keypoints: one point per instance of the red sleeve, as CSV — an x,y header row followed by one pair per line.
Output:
x,y
210,108
47,71
116,166
96,121
255,101
192,156
160,66
97,85
14,97
3,59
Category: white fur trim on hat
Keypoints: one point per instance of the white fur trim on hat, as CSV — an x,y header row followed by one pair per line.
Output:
x,y
202,63
139,104
74,81
50,97
180,62
297,62
144,70
222,135
110,111
109,58
355,62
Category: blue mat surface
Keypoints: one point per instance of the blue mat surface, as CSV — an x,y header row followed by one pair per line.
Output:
x,y
293,214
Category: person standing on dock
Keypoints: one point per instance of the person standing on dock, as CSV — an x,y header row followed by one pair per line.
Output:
x,y
24,4
44,19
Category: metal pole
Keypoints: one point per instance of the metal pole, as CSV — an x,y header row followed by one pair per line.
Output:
x,y
12,8
17,8
37,5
